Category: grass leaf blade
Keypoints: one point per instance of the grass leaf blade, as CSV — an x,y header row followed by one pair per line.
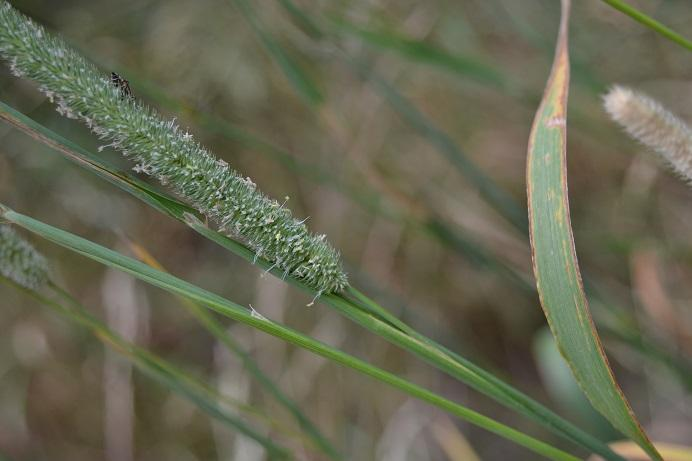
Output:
x,y
650,22
555,263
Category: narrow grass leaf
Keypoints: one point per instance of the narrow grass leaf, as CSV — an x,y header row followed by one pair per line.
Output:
x,y
555,263
236,312
650,22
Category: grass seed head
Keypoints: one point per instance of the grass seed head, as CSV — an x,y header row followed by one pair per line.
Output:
x,y
647,121
161,149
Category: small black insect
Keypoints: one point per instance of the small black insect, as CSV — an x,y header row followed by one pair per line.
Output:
x,y
122,84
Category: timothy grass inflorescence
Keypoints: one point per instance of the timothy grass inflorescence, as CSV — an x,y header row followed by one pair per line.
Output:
x,y
20,262
650,123
161,149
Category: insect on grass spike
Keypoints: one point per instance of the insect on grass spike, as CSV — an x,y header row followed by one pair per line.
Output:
x,y
121,84
159,148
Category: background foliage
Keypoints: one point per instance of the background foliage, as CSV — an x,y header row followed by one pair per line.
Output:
x,y
476,70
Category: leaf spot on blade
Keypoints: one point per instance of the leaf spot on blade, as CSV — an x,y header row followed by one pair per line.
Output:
x,y
556,122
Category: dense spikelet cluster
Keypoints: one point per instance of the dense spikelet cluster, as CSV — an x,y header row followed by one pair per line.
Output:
x,y
650,123
161,149
20,262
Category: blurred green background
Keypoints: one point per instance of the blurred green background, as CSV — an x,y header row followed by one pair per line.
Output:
x,y
373,173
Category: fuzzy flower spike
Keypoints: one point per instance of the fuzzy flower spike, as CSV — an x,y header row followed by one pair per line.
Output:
x,y
651,124
20,262
161,149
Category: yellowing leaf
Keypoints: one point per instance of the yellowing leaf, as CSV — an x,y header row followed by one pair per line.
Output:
x,y
555,261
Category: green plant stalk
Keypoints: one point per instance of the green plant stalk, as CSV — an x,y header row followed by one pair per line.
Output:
x,y
378,320
186,214
236,312
650,22
156,368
